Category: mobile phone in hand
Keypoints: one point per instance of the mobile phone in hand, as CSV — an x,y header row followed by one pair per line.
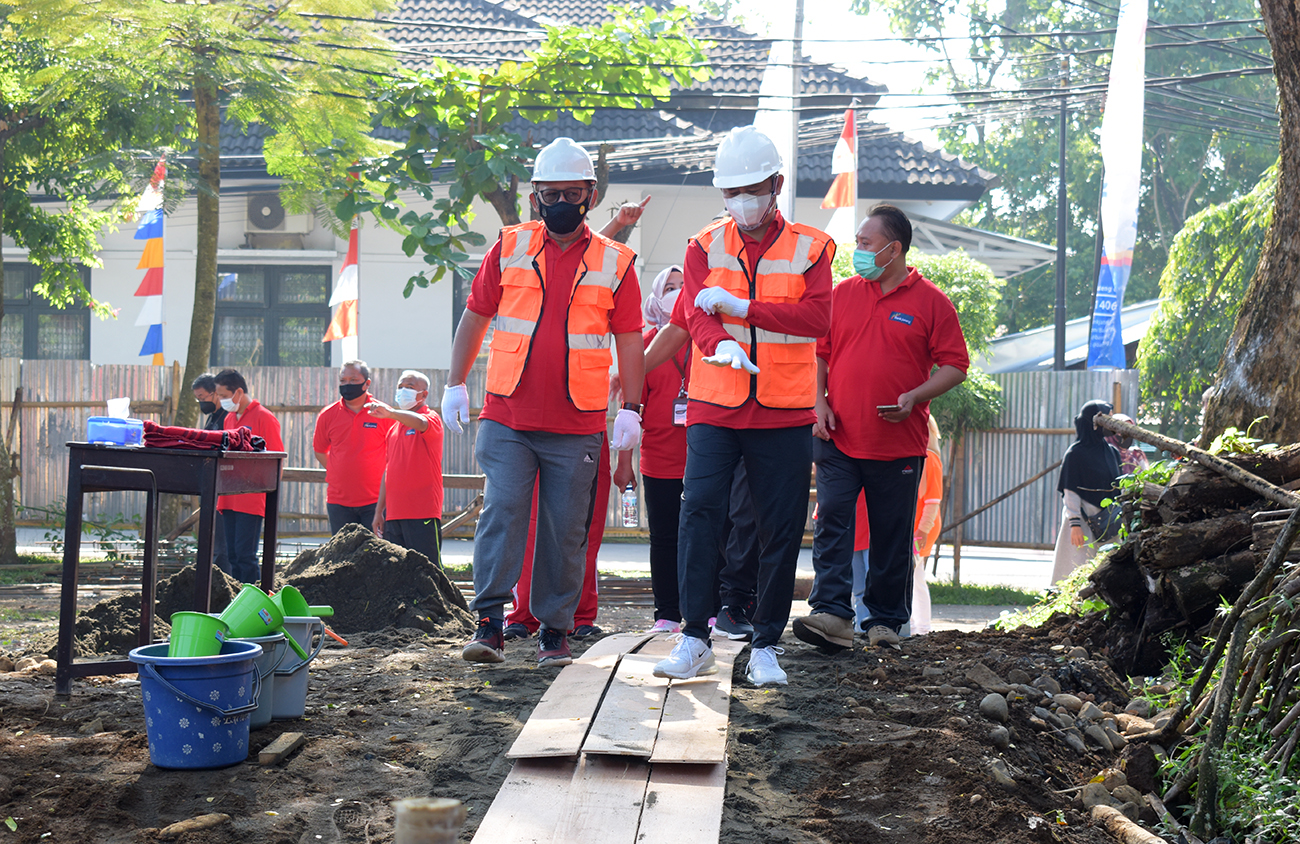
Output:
x,y
888,408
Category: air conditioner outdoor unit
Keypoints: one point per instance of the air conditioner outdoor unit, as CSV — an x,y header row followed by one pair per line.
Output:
x,y
266,215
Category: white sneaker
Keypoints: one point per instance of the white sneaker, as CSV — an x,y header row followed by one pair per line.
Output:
x,y
763,667
663,625
691,657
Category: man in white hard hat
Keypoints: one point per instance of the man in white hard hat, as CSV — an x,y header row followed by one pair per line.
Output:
x,y
758,295
557,291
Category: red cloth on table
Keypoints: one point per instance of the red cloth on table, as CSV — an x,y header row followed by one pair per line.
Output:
x,y
175,436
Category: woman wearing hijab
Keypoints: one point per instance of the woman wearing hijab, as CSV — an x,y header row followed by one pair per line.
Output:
x,y
1088,473
663,451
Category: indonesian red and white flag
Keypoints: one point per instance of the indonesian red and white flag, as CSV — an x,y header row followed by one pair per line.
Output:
x,y
346,293
843,194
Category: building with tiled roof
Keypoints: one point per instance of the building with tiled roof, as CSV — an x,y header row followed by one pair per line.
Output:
x,y
666,153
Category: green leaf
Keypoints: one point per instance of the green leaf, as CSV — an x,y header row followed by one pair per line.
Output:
x,y
12,824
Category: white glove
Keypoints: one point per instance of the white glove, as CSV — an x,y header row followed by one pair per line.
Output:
x,y
729,353
716,300
627,430
455,407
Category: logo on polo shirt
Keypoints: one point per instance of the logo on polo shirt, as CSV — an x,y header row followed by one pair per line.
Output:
x,y
369,424
899,316
409,431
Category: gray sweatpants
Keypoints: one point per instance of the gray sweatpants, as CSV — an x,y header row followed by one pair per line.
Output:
x,y
564,467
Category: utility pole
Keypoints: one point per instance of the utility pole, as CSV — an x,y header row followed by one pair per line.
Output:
x,y
792,180
1062,220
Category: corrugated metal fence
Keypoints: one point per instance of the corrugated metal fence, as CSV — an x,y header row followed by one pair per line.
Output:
x,y
60,395
1036,405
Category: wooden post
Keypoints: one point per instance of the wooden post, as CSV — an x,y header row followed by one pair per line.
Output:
x,y
428,820
958,481
1117,397
174,400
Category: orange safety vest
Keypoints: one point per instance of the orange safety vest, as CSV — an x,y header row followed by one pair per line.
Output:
x,y
787,363
523,278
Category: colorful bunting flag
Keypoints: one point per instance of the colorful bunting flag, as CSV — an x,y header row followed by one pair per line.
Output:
x,y
346,295
150,230
843,193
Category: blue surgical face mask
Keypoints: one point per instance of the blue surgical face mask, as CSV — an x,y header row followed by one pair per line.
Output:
x,y
864,263
405,398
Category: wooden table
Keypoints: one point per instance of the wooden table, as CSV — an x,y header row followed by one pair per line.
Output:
x,y
207,474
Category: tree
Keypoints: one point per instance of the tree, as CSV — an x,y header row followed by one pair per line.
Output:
x,y
302,71
458,135
1260,374
1206,141
67,130
1210,263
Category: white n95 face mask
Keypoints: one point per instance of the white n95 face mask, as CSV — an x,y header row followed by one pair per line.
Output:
x,y
405,398
748,210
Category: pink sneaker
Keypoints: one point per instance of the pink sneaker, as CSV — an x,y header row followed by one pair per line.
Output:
x,y
663,625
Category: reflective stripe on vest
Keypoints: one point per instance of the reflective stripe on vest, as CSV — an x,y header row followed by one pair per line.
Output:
x,y
600,273
787,363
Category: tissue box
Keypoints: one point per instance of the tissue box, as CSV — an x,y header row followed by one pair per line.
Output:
x,y
112,431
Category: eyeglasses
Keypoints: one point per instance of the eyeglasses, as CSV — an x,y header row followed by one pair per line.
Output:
x,y
574,195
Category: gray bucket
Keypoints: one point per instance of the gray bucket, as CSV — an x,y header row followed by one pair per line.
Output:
x,y
291,677
274,651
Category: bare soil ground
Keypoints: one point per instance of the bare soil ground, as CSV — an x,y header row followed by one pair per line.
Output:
x,y
860,747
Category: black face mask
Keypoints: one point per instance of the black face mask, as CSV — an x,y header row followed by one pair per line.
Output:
x,y
352,391
563,217
207,408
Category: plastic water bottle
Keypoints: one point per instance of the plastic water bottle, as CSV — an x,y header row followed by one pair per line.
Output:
x,y
631,518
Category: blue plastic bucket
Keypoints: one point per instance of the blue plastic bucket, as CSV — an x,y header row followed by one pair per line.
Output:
x,y
196,709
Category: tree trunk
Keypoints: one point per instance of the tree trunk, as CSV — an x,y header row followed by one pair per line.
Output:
x,y
1260,371
1177,545
207,112
8,464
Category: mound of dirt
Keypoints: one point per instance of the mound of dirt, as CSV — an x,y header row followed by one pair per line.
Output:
x,y
112,626
373,584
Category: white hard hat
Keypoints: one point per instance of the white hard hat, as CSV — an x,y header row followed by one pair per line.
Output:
x,y
745,157
562,160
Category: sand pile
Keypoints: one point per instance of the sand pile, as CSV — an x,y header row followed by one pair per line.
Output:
x,y
373,584
112,626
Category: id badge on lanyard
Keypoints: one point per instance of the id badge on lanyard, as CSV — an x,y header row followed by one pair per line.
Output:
x,y
679,408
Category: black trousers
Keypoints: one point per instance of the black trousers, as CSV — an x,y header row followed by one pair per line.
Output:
x,y
779,461
738,576
423,535
890,487
663,507
340,516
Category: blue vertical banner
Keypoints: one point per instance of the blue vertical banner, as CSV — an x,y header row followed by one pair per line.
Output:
x,y
1121,153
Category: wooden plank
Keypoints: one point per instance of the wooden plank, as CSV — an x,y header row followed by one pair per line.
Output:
x,y
604,803
559,722
530,803
694,724
683,805
618,643
280,748
628,720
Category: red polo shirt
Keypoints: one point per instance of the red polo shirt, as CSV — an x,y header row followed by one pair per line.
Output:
x,y
663,444
809,317
265,425
541,401
413,485
880,347
356,445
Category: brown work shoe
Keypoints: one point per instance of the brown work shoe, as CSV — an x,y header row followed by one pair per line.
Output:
x,y
879,635
830,633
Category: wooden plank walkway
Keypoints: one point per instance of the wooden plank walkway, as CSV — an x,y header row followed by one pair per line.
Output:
x,y
614,754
